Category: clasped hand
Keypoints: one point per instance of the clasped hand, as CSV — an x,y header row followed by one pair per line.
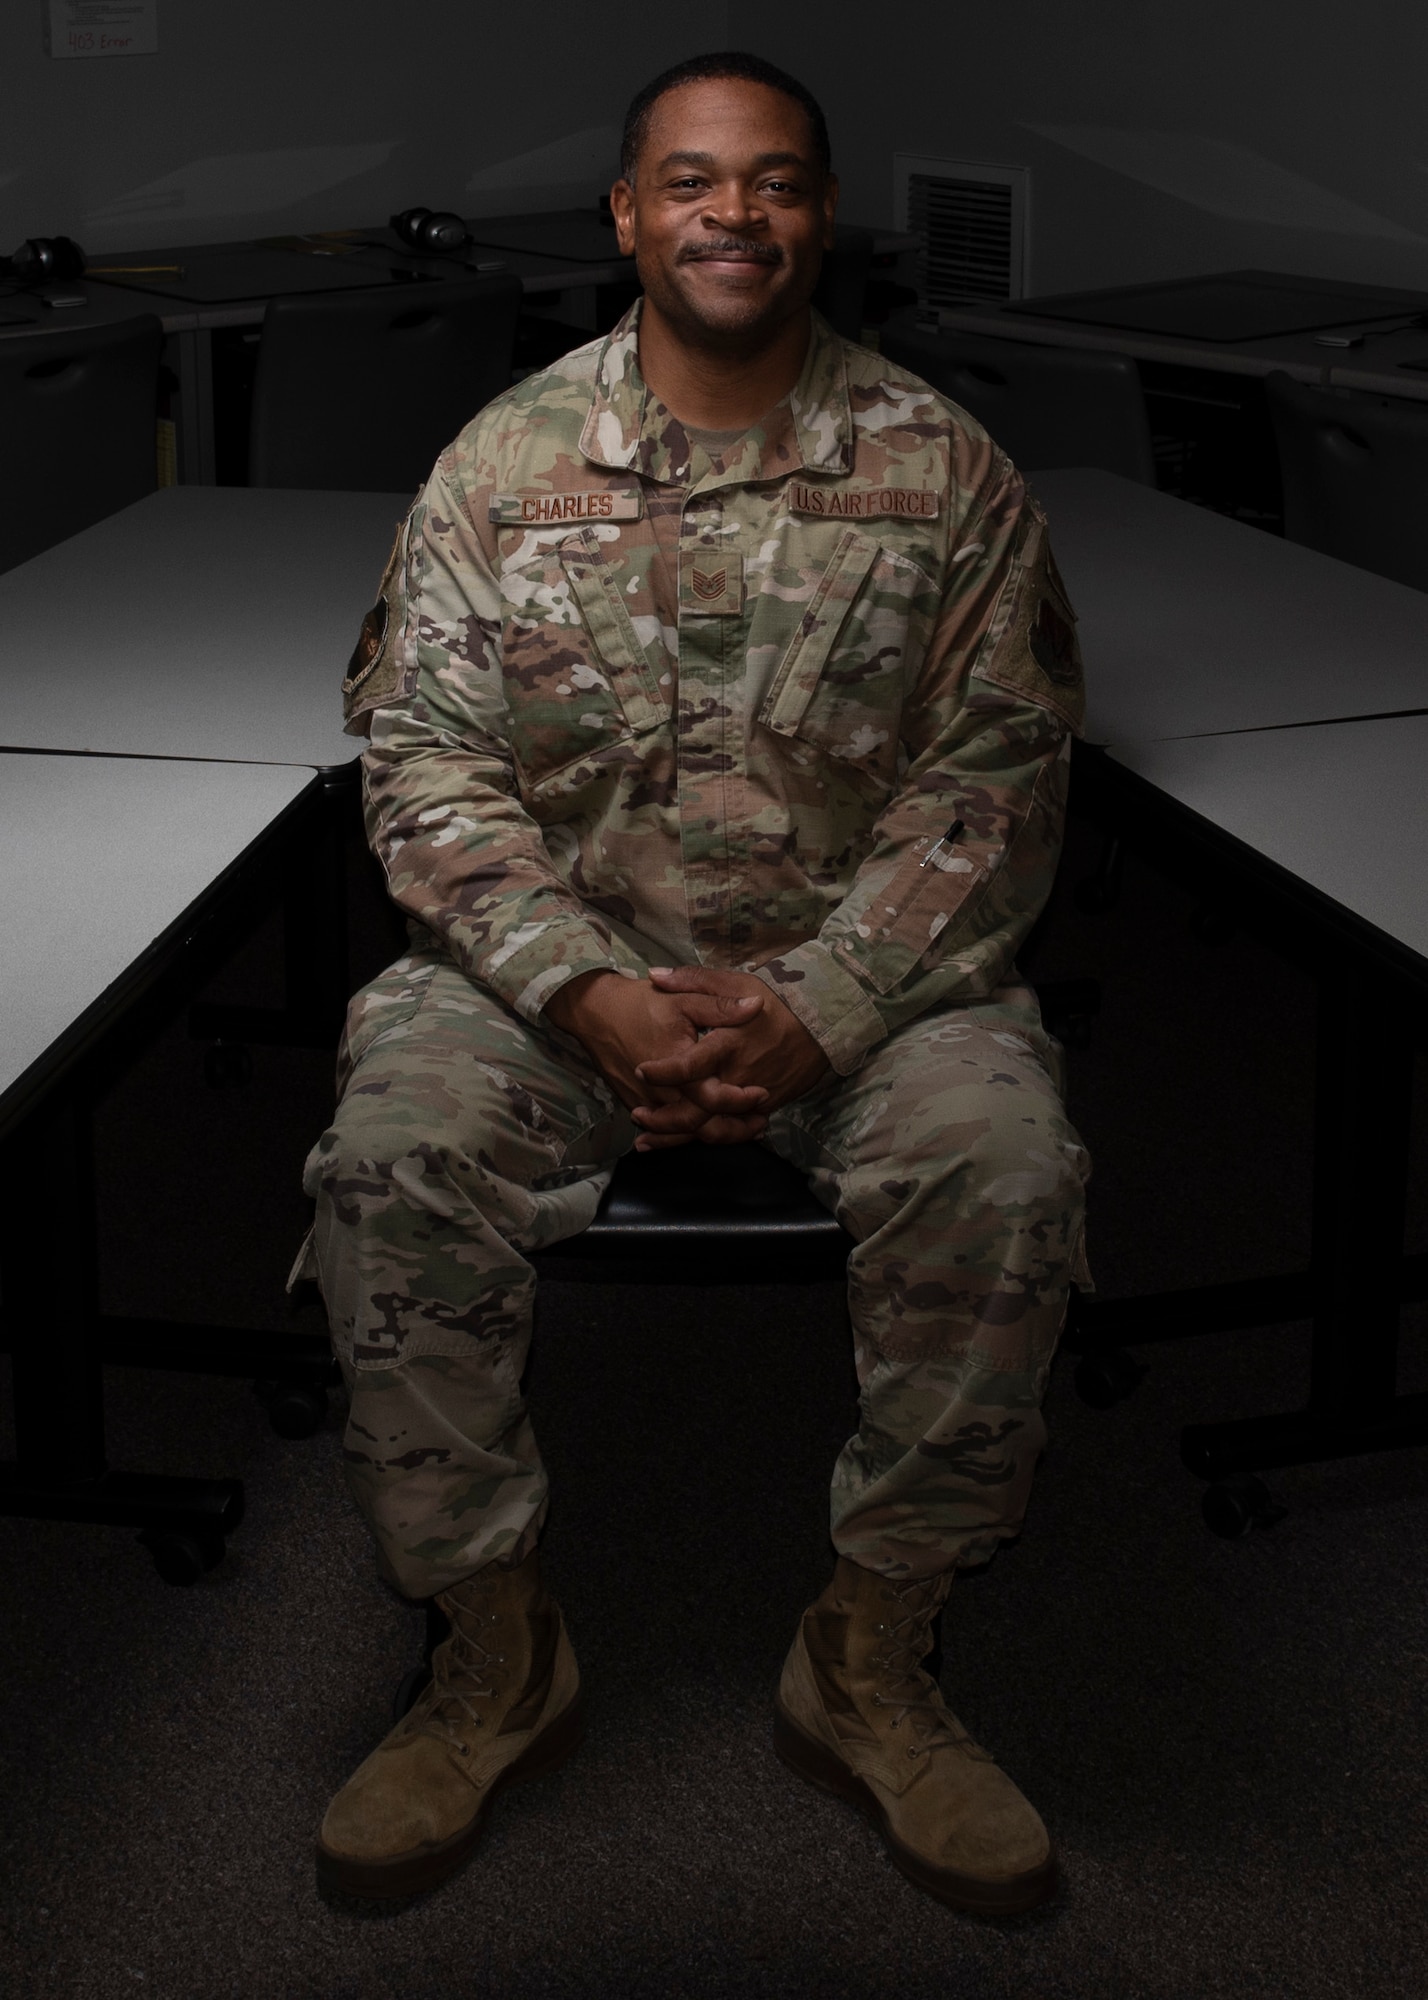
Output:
x,y
695,1054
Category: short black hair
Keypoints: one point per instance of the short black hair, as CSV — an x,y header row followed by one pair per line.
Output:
x,y
706,69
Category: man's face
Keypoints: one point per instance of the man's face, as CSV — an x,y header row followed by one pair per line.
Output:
x,y
730,211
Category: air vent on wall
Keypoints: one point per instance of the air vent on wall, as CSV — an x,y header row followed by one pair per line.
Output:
x,y
970,222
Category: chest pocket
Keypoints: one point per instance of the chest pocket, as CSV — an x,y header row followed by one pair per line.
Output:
x,y
578,682
840,685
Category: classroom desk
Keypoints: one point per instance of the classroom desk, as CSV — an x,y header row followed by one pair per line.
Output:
x,y
207,622
1372,367
1342,809
213,622
235,276
1320,835
1192,624
125,883
239,270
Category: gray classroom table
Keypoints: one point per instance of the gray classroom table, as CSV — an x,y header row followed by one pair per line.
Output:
x,y
102,856
123,879
206,622
1374,366
106,302
1343,808
235,268
1318,838
1192,624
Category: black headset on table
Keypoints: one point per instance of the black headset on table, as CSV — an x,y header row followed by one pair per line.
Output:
x,y
431,229
43,257
40,258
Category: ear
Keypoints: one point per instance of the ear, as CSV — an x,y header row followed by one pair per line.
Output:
x,y
622,207
830,209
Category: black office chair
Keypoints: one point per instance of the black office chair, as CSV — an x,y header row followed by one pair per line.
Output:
x,y
843,281
721,1214
1045,406
1355,475
361,390
78,438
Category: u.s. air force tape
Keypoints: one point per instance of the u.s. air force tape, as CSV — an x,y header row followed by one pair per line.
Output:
x,y
864,503
548,510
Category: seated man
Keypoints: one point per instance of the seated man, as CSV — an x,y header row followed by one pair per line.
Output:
x,y
720,695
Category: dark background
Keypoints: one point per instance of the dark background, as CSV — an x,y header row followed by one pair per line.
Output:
x,y
1227,1738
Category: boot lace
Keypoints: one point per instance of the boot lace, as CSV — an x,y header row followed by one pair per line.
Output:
x,y
464,1677
907,1687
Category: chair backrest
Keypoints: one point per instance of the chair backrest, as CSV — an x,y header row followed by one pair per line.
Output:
x,y
843,281
78,410
1355,476
362,390
1045,406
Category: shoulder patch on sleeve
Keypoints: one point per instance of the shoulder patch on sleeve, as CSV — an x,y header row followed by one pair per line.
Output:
x,y
1032,648
374,670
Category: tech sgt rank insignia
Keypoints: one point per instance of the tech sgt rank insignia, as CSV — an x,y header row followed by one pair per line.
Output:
x,y
549,510
711,582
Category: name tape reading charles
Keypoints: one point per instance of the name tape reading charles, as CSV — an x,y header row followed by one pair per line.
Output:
x,y
520,510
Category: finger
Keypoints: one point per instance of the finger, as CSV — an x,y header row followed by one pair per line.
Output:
x,y
720,1010
649,1142
703,1059
692,979
682,1115
715,1095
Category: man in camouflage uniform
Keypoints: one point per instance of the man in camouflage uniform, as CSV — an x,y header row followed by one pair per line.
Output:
x,y
720,696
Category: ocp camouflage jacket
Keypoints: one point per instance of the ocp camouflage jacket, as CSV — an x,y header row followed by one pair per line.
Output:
x,y
631,704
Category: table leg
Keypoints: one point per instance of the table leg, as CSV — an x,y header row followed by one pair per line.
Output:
x,y
197,462
315,945
49,1278
1361,1151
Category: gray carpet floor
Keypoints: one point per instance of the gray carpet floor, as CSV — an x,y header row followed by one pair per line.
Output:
x,y
1227,1738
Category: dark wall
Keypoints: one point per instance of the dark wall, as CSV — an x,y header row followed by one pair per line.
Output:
x,y
1163,138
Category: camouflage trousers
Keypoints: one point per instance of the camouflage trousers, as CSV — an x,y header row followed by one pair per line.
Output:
x,y
463,1138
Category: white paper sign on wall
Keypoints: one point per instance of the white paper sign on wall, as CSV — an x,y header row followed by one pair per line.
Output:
x,y
101,27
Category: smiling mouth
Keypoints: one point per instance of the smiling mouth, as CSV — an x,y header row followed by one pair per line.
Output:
x,y
732,253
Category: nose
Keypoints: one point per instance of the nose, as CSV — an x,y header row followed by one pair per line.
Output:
x,y
733,208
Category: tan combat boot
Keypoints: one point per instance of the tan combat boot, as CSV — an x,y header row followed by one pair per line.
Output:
x,y
503,1704
857,1716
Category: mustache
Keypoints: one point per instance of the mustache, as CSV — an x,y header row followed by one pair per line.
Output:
x,y
725,246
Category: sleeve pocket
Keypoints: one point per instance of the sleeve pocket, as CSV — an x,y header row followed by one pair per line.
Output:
x,y
909,916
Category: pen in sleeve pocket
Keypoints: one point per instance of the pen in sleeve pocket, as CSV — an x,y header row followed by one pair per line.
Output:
x,y
945,841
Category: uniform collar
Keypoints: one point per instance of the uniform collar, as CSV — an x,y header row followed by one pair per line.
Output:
x,y
627,430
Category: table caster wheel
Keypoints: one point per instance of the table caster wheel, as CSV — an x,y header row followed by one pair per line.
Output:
x,y
1107,1378
182,1555
295,1409
1234,1507
227,1065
